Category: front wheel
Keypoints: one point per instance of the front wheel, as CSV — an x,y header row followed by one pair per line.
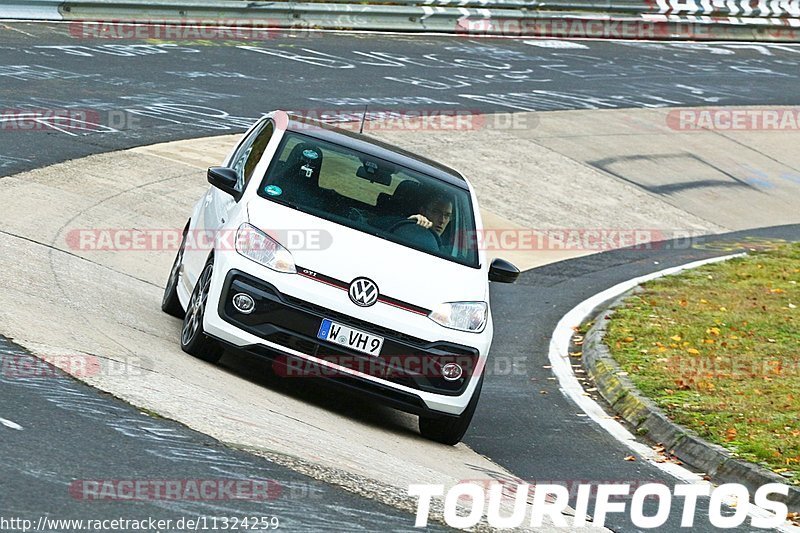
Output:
x,y
170,303
450,429
194,341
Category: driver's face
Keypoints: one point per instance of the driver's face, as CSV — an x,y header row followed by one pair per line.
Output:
x,y
439,213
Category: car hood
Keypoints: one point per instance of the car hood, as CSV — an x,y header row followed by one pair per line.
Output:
x,y
344,253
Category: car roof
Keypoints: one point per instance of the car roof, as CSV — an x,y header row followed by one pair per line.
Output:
x,y
374,147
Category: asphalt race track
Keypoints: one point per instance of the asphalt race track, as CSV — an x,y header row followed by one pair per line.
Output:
x,y
149,92
141,93
73,433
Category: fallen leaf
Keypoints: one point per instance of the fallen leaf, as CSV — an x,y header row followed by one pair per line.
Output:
x,y
630,458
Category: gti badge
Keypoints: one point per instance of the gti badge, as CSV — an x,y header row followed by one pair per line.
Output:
x,y
363,292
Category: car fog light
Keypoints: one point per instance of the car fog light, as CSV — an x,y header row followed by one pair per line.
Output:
x,y
451,371
244,303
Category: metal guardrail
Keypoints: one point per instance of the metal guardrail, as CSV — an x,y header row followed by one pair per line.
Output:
x,y
777,21
734,8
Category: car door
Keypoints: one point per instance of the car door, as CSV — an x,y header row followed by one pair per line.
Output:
x,y
217,206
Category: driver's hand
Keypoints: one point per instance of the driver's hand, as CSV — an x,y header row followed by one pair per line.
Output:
x,y
421,220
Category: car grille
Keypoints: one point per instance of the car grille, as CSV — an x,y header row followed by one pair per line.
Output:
x,y
356,323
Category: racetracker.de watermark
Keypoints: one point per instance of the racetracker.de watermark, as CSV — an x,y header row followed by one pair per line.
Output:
x,y
210,489
66,120
557,239
133,240
580,27
220,29
492,240
417,120
25,366
734,119
731,367
394,366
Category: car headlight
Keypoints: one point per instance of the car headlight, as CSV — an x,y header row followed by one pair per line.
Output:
x,y
463,316
254,244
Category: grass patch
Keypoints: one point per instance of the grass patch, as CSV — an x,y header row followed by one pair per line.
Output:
x,y
718,349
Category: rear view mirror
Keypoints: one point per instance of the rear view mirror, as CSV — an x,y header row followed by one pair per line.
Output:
x,y
502,271
375,173
224,179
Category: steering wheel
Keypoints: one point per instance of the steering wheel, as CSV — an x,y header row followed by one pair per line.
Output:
x,y
405,222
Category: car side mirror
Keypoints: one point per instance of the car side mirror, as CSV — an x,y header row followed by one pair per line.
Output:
x,y
224,179
502,271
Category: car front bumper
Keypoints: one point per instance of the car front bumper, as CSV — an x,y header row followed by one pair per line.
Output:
x,y
406,375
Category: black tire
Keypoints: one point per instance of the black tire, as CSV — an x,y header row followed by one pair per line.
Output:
x,y
170,303
450,429
194,341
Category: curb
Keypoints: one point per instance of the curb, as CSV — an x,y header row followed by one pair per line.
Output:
x,y
650,421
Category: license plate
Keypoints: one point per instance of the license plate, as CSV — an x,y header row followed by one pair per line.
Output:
x,y
349,337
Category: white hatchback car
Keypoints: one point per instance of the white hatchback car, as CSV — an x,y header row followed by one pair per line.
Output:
x,y
339,256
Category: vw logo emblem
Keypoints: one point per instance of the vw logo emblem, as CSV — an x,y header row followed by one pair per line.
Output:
x,y
363,292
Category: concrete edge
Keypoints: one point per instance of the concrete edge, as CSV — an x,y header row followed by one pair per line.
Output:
x,y
360,485
649,421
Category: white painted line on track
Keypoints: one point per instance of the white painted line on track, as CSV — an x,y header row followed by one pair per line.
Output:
x,y
10,424
7,27
568,382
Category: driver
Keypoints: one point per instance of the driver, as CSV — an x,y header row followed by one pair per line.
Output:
x,y
435,214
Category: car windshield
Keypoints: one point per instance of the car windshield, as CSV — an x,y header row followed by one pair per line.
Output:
x,y
374,196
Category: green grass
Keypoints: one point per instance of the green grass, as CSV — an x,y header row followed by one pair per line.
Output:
x,y
718,349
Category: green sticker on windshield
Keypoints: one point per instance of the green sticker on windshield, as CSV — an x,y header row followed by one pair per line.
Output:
x,y
273,190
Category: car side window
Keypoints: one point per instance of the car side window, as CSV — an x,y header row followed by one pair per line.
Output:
x,y
249,154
